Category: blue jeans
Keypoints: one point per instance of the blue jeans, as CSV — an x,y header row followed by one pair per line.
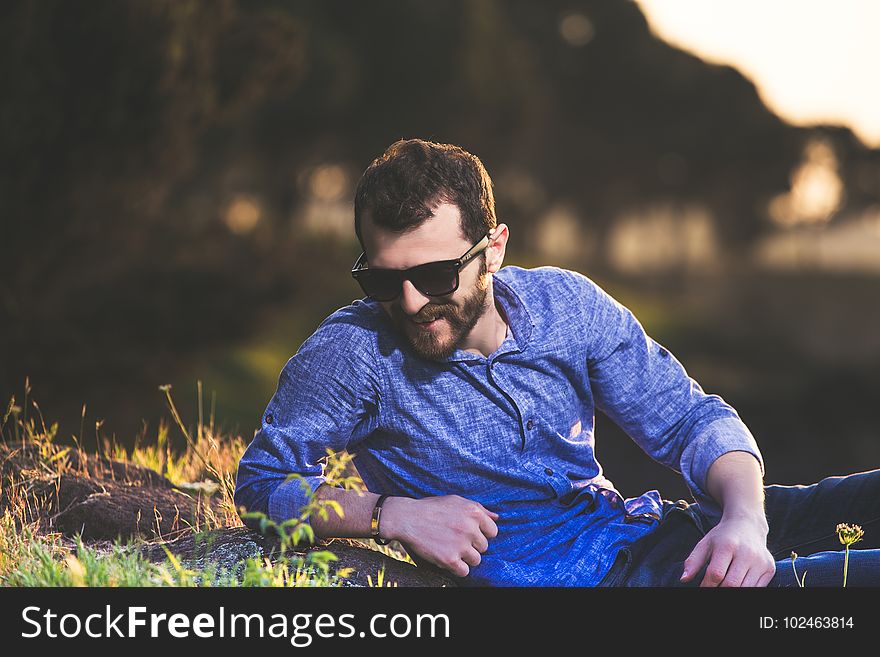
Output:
x,y
802,519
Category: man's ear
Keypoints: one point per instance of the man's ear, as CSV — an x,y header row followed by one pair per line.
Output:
x,y
498,237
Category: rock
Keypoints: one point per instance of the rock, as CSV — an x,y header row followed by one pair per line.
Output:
x,y
107,509
100,499
229,547
98,467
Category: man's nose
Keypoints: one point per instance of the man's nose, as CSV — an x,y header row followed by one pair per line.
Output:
x,y
411,300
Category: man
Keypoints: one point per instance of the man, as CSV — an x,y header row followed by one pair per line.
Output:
x,y
467,392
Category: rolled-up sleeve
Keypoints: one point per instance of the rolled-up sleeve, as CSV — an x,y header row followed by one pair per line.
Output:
x,y
327,398
646,391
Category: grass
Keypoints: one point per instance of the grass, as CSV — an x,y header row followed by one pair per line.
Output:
x,y
33,560
32,554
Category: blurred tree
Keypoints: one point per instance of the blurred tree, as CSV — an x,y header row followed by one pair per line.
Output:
x,y
106,106
154,151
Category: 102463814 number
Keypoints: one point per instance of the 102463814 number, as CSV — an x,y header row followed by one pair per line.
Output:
x,y
817,622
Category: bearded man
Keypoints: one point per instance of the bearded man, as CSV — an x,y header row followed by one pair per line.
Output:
x,y
466,392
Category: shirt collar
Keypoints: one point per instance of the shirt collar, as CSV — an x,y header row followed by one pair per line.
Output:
x,y
519,322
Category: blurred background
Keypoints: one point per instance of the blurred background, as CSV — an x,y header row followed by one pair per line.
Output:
x,y
177,179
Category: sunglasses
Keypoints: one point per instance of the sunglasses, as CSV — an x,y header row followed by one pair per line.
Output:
x,y
433,279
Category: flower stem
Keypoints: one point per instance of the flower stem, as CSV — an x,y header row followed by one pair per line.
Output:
x,y
799,581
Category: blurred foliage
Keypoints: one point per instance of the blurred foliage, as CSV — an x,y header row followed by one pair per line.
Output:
x,y
128,128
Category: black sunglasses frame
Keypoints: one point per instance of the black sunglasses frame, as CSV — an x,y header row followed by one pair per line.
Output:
x,y
360,268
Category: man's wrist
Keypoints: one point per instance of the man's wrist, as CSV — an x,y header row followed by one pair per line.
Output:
x,y
392,525
757,518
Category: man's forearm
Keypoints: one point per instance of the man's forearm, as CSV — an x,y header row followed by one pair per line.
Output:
x,y
734,552
357,512
449,531
735,481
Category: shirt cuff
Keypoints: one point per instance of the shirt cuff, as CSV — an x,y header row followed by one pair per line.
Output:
x,y
290,498
720,437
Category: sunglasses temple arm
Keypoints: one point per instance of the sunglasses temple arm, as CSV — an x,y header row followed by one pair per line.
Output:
x,y
359,263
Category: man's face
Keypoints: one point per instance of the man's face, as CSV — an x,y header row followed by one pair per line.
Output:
x,y
433,326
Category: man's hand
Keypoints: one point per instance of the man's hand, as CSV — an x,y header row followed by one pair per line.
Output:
x,y
736,550
449,531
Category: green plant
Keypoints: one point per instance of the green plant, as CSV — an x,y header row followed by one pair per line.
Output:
x,y
848,535
380,580
294,531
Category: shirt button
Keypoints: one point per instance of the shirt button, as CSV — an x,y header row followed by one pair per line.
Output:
x,y
530,425
548,472
269,419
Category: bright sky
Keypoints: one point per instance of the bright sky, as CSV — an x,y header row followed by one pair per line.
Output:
x,y
813,61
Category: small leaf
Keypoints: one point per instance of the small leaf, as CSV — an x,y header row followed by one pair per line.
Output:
x,y
322,556
333,504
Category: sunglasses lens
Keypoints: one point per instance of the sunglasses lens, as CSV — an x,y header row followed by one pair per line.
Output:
x,y
435,280
382,285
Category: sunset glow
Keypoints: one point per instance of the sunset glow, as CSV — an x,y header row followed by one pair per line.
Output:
x,y
813,61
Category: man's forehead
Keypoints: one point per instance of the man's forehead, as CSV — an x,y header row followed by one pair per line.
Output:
x,y
439,237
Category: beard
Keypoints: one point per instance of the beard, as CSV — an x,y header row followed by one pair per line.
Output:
x,y
457,321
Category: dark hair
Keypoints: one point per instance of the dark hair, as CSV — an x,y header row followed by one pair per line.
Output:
x,y
402,187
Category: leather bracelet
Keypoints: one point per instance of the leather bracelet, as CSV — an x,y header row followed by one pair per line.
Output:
x,y
374,522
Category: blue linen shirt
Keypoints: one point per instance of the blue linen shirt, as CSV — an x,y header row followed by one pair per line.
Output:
x,y
514,431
